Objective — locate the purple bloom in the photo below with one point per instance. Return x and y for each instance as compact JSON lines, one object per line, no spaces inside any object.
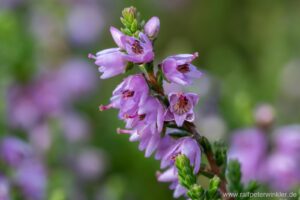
{"x":31,"y":178}
{"x":181,"y":107}
{"x":287,"y":140}
{"x":249,"y":147}
{"x":283,"y":172}
{"x":152,"y":27}
{"x":14,"y":151}
{"x":4,"y":188}
{"x":178,"y":68}
{"x":187,"y":146}
{"x":138,"y":50}
{"x":111,"y":62}
{"x":147,"y":124}
{"x":129,"y":95}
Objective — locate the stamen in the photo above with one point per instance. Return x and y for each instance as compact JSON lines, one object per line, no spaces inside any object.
{"x":91,"y":56}
{"x":183,"y":68}
{"x":157,"y":174}
{"x":124,"y":131}
{"x":126,"y":116}
{"x":127,"y":94}
{"x":195,"y":55}
{"x":173,"y":157}
{"x":137,"y":48}
{"x":142,"y":117}
{"x":105,"y":107}
{"x":182,"y":106}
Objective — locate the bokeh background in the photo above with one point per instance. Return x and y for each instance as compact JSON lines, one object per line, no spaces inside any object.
{"x":50,"y":91}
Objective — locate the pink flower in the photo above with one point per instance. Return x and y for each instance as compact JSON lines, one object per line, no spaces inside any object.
{"x":152,"y":27}
{"x":187,"y":146}
{"x":249,"y":147}
{"x":178,"y":68}
{"x":129,"y":95}
{"x":111,"y":62}
{"x":146,"y":125}
{"x":138,"y":50}
{"x":181,"y":107}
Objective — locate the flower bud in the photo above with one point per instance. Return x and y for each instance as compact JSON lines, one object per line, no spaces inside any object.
{"x":264,"y":116}
{"x":129,"y":13}
{"x":152,"y":27}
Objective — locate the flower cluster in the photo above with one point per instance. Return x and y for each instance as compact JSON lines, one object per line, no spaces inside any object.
{"x":274,"y":163}
{"x":280,"y":167}
{"x":148,"y":112}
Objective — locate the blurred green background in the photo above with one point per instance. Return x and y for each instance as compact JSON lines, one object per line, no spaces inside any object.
{"x":249,"y":49}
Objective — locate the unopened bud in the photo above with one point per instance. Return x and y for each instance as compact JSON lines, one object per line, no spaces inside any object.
{"x":152,"y":27}
{"x":264,"y":116}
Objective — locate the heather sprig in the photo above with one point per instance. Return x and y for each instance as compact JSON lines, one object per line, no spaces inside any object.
{"x":131,"y":23}
{"x":189,"y":181}
{"x":162,"y":123}
{"x":185,"y":172}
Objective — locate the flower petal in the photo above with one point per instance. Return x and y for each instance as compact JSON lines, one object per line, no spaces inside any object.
{"x":117,"y":35}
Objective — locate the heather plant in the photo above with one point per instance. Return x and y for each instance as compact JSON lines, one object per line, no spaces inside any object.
{"x":163,"y":123}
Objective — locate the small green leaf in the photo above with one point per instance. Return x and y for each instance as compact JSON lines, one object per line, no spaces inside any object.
{"x":179,"y":134}
{"x":220,"y":153}
{"x":214,"y":182}
{"x":125,"y":22}
{"x":126,"y":31}
{"x":149,"y":67}
{"x":134,"y":26}
{"x":234,"y":176}
{"x":213,"y":187}
{"x":252,"y":186}
{"x":129,"y":66}
{"x":205,"y":144}
{"x":196,"y":192}
{"x":185,"y":171}
{"x":143,"y":69}
{"x":129,"y":13}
